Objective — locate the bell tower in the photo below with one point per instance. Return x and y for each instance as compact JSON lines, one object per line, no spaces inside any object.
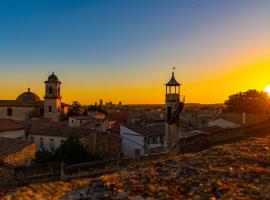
{"x":173,"y":108}
{"x":52,"y":99}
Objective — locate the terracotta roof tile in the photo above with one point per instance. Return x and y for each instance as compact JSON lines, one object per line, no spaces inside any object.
{"x":11,"y":146}
{"x":9,"y":125}
{"x":147,"y":130}
{"x":43,"y":126}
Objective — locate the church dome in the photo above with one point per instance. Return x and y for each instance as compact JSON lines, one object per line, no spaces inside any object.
{"x":28,"y":97}
{"x":53,"y":78}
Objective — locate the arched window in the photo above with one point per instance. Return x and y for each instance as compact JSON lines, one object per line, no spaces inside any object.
{"x":50,"y":90}
{"x":9,"y":112}
{"x":59,"y":91}
{"x":50,"y":109}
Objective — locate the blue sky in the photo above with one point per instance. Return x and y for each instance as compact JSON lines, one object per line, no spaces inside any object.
{"x":107,"y":45}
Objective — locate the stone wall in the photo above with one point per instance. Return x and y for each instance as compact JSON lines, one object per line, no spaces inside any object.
{"x":204,"y":141}
{"x":107,"y":145}
{"x":6,"y":175}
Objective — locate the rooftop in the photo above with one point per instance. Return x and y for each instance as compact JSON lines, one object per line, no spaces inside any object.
{"x":173,"y":82}
{"x":11,"y":146}
{"x":10,"y":125}
{"x":28,"y":97}
{"x":148,"y":129}
{"x":43,"y":126}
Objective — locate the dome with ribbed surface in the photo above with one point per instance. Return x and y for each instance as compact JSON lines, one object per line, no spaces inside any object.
{"x":28,"y":97}
{"x":53,"y":78}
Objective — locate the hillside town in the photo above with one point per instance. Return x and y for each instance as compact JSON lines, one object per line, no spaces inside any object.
{"x":32,"y":129}
{"x":134,"y":100}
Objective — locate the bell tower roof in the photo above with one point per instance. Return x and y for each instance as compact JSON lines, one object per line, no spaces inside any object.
{"x":53,"y":79}
{"x":172,"y":82}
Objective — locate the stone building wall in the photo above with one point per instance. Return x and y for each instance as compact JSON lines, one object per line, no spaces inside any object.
{"x":18,"y":113}
{"x":13,"y":134}
{"x":6,"y":175}
{"x":105,"y":144}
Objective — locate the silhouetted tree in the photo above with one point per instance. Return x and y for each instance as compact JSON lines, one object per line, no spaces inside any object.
{"x":75,"y":109}
{"x":71,"y":151}
{"x":251,"y":101}
{"x":43,"y":156}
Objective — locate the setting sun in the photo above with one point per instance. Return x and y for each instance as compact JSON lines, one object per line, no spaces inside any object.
{"x":267,"y":89}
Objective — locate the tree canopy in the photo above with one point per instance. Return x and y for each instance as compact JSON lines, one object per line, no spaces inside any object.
{"x":251,"y":101}
{"x":71,"y":151}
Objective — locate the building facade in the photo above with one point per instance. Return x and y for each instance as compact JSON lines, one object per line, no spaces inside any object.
{"x":29,"y":105}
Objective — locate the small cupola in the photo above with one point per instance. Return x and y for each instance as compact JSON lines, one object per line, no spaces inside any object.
{"x":172,"y":82}
{"x":53,"y":78}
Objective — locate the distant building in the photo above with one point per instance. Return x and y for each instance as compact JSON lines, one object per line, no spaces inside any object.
{"x":29,"y":105}
{"x":11,"y":129}
{"x":141,"y":140}
{"x":75,"y":121}
{"x":225,"y":124}
{"x":49,"y":135}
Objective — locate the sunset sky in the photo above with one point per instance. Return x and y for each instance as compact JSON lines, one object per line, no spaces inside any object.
{"x":125,"y":50}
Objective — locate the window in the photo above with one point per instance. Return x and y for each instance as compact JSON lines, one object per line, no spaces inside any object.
{"x":50,"y":109}
{"x":158,"y":139}
{"x":137,"y":152}
{"x":50,"y":90}
{"x":58,"y":109}
{"x":51,"y":145}
{"x":162,"y":140}
{"x":32,"y":139}
{"x":58,"y":91}
{"x":41,"y":143}
{"x":154,"y":140}
{"x":9,"y":112}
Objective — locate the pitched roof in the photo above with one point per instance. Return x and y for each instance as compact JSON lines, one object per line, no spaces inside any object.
{"x":173,"y":82}
{"x":10,"y":146}
{"x":119,"y":116}
{"x":43,"y":126}
{"x":147,"y":130}
{"x":81,"y":117}
{"x":91,"y":125}
{"x":9,"y":125}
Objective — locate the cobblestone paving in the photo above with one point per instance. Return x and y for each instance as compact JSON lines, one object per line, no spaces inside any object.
{"x":233,"y":171}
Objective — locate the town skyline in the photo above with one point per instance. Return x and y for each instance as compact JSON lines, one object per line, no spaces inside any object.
{"x":125,"y":51}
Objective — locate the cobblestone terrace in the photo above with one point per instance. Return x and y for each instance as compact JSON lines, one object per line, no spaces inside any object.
{"x":237,"y":171}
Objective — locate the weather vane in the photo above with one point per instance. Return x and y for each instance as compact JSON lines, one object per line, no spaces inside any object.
{"x":174,"y":68}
